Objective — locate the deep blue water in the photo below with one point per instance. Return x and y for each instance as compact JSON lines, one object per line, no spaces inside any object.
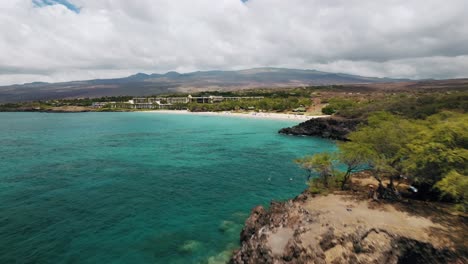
{"x":138,"y":187}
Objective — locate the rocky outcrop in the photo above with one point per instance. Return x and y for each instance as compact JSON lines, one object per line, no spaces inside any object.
{"x":335,"y":229}
{"x":332,"y":128}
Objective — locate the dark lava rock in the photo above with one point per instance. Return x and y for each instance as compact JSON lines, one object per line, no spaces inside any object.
{"x":332,"y":128}
{"x":253,"y":223}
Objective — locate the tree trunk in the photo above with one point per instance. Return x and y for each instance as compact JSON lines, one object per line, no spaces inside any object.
{"x":389,"y":192}
{"x":325,"y":179}
{"x":345,"y":179}
{"x":390,"y":184}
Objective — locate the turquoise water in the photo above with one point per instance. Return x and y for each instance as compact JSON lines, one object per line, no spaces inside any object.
{"x":138,"y":187}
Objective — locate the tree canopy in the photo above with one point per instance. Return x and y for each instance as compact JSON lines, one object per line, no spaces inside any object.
{"x":431,"y":153}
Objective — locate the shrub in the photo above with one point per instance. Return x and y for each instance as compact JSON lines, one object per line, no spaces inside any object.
{"x":455,"y":186}
{"x":328,"y":110}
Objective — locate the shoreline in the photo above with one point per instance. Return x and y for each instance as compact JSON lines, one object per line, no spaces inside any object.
{"x":255,"y":115}
{"x":354,"y":227}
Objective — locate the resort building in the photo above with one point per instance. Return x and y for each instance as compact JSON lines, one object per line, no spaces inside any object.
{"x":217,"y":99}
{"x":101,"y":104}
{"x":177,"y":100}
{"x":167,"y":102}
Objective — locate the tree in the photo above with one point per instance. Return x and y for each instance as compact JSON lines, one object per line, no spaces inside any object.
{"x":328,"y":110}
{"x":355,"y":157}
{"x":382,"y":143}
{"x":320,"y":164}
{"x":432,"y":153}
{"x":384,"y":138}
{"x":440,"y":147}
{"x":455,"y":186}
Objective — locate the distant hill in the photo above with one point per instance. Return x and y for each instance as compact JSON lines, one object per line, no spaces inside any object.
{"x":142,"y":84}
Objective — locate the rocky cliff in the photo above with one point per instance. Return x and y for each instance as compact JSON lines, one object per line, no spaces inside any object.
{"x":340,"y":229}
{"x":332,"y":128}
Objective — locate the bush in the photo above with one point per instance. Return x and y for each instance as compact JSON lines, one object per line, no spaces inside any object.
{"x":339,"y":105}
{"x":455,"y":186}
{"x":328,"y":110}
{"x":316,"y":186}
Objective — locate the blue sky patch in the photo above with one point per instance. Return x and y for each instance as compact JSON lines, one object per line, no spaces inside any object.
{"x":66,"y":3}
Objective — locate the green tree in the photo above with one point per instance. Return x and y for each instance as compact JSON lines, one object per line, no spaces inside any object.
{"x":422,"y":150}
{"x":321,"y":164}
{"x":355,"y":157}
{"x":381,"y":143}
{"x":384,"y":139}
{"x":328,"y":110}
{"x":455,"y":186}
{"x":440,"y":147}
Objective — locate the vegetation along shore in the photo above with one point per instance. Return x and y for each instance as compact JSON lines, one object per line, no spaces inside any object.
{"x":395,"y":192}
{"x":147,"y":131}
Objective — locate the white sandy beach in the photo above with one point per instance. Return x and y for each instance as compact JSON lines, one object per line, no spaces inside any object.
{"x":256,"y":115}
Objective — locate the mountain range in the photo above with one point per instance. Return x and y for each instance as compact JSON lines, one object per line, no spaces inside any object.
{"x":142,"y":84}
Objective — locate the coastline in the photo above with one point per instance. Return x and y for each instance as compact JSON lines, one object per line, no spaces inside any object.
{"x":276,"y":116}
{"x":352,"y":229}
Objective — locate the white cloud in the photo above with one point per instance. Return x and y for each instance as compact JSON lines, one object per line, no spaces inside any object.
{"x":113,"y":38}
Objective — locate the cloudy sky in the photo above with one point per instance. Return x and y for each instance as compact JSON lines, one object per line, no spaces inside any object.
{"x":60,"y":40}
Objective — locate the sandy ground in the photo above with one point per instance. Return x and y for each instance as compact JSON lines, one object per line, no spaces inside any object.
{"x":255,"y":115}
{"x":345,"y":215}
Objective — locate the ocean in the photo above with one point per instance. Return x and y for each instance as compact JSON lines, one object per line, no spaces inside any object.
{"x":139,"y":187}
